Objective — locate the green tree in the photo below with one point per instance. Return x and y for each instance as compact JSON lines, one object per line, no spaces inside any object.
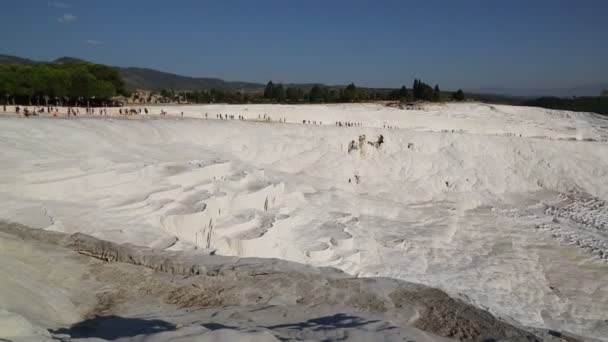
{"x":43,"y":82}
{"x":278,"y":93}
{"x":110,"y":75}
{"x":294,"y":94}
{"x":269,"y":90}
{"x":315,"y":94}
{"x":458,"y":95}
{"x":103,"y":90}
{"x":24,"y":83}
{"x":166,"y":94}
{"x":8,"y":82}
{"x":436,"y":94}
{"x":403,"y":93}
{"x":330,"y":95}
{"x":350,"y":93}
{"x":83,"y":84}
{"x":59,"y":84}
{"x":422,"y":91}
{"x":400,"y":94}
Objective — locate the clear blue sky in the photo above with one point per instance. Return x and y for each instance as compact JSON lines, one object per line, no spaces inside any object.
{"x":472,"y":44}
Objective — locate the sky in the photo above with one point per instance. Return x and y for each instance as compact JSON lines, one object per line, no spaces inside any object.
{"x":514,"y":45}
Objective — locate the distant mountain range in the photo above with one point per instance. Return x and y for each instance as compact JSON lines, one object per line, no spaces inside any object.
{"x":593,"y":89}
{"x":150,"y":79}
{"x":6,"y":59}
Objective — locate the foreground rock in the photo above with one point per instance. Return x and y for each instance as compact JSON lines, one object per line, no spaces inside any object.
{"x":78,"y":287}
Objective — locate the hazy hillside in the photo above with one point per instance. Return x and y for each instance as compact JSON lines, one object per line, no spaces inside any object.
{"x":6,"y":59}
{"x":590,"y":89}
{"x":150,"y":79}
{"x":142,"y":78}
{"x":65,"y":60}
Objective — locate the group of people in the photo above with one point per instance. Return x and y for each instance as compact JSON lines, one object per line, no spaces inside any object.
{"x":348,"y":124}
{"x":134,"y":111}
{"x":35,"y":111}
{"x":72,"y":111}
{"x":261,"y":117}
{"x":389,"y":126}
{"x":268,"y":118}
{"x":101,"y":111}
{"x":75,"y":111}
{"x":227,"y":117}
{"x":313,"y":122}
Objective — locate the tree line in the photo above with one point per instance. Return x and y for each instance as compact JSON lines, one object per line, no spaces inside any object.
{"x":83,"y":83}
{"x":351,"y":93}
{"x":593,"y":104}
{"x":46,"y":84}
{"x":279,"y":93}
